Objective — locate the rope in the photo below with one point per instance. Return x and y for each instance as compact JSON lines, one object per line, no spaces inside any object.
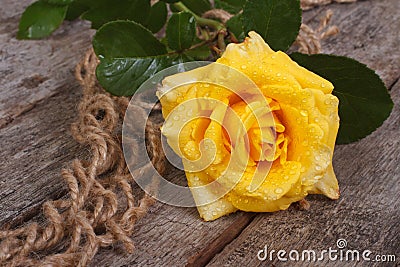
{"x":100,"y":209}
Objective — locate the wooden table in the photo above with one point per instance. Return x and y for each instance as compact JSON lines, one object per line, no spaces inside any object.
{"x":38,"y":103}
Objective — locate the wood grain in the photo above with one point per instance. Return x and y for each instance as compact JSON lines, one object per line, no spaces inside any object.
{"x":169,"y":236}
{"x":34,"y":148}
{"x":38,"y":104}
{"x":366,"y":215}
{"x":31,"y":71}
{"x":369,"y":33}
{"x":38,"y":100}
{"x":202,"y":257}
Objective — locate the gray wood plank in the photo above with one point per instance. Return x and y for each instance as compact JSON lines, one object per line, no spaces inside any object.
{"x":38,"y":105}
{"x":172,"y":250}
{"x":369,"y":33}
{"x":367,"y":214}
{"x":34,"y":148}
{"x":30,"y":71}
{"x":38,"y":100}
{"x":169,"y":235}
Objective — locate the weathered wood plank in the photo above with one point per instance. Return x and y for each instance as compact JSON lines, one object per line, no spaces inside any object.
{"x":168,"y":235}
{"x":34,"y":148}
{"x":228,"y":235}
{"x":172,"y":250}
{"x":31,"y":71}
{"x":367,"y":214}
{"x":369,"y":32}
{"x":36,"y":145}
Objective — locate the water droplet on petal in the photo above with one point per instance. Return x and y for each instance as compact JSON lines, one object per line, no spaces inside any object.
{"x":303,"y":113}
{"x":168,"y":124}
{"x":278,"y":190}
{"x":317,"y":177}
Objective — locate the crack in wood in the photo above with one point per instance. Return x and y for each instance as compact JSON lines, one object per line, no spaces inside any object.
{"x":203,"y":257}
{"x":393,"y":84}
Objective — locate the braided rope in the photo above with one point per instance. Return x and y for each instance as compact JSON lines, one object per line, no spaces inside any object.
{"x":95,"y":203}
{"x":100,"y":209}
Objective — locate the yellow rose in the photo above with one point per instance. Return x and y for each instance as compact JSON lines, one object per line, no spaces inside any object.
{"x":226,"y":142}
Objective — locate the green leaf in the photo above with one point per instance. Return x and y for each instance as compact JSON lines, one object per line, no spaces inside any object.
{"x":235,"y":26}
{"x":277,"y":21}
{"x":135,"y":10}
{"x":174,"y":9}
{"x":93,"y":3}
{"x":75,"y":10}
{"x":123,"y":76}
{"x":58,"y":2}
{"x":232,"y":6}
{"x":170,"y":1}
{"x":364,"y":102}
{"x":40,"y":19}
{"x":197,"y":6}
{"x":181,"y":31}
{"x":199,"y":53}
{"x":126,"y":39}
{"x":157,"y":17}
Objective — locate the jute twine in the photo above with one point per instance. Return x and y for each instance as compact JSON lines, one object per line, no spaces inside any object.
{"x":307,"y":4}
{"x":309,"y":40}
{"x":101,"y":209}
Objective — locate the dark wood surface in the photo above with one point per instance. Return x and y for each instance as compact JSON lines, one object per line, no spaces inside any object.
{"x":38,"y":101}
